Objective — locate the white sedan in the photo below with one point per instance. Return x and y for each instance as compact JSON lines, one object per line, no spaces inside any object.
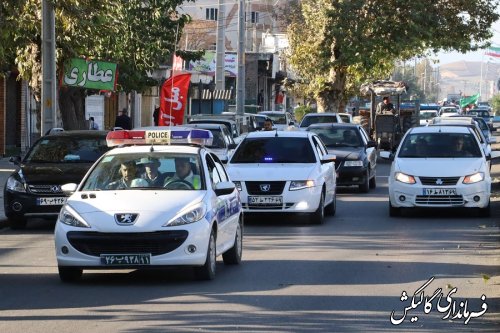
{"x":285,"y":172}
{"x":439,"y":166}
{"x":145,"y":205}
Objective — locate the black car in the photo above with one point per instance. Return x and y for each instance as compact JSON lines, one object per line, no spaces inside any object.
{"x":34,"y":189}
{"x":356,"y":154}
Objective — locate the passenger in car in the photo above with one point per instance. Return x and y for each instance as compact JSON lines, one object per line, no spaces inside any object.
{"x":151,"y":174}
{"x":128,"y":171}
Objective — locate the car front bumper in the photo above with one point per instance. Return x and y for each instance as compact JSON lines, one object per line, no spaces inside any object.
{"x":351,"y":176}
{"x":18,"y":204}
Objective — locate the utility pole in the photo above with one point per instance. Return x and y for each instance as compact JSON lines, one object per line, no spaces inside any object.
{"x":220,"y":48}
{"x":49,"y":82}
{"x":240,"y":89}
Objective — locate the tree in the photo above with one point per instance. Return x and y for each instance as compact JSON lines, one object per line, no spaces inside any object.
{"x":336,"y":44}
{"x":495,"y":104}
{"x":138,"y":35}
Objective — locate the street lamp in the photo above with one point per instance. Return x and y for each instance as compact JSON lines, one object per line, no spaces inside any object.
{"x":211,"y":87}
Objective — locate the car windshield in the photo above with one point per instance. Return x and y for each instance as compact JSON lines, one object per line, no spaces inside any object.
{"x":450,"y":110}
{"x":427,"y":115}
{"x":317,"y":120}
{"x":440,"y":145}
{"x":156,"y":170}
{"x":65,"y":149}
{"x":338,"y":137}
{"x":274,"y":150}
{"x":276,"y":118}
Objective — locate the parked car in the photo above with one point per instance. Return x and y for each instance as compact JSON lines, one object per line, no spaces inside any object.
{"x":34,"y":189}
{"x":439,"y":166}
{"x":356,"y":154}
{"x":223,"y":144}
{"x":318,"y":118}
{"x":286,"y":172}
{"x":281,"y":119}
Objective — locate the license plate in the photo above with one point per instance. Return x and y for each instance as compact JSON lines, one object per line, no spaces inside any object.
{"x":50,"y":201}
{"x":265,"y":200}
{"x":440,"y":191}
{"x":125,"y":259}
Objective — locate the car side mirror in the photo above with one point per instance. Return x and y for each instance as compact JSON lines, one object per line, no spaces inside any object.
{"x":224,"y":188}
{"x":69,"y":189}
{"x":371,"y":144}
{"x":328,"y":158}
{"x":232,"y":146}
{"x":386,"y":155}
{"x":15,"y":159}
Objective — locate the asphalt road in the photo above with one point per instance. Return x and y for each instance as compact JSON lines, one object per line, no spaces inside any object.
{"x":347,"y":275}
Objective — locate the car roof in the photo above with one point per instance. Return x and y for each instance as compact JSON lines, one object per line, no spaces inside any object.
{"x":272,"y":112}
{"x":78,"y":133}
{"x":273,"y":133}
{"x":340,"y":125}
{"x":313,"y":114}
{"x":211,"y":120}
{"x":205,"y":126}
{"x":448,"y":128}
{"x":454,"y":120}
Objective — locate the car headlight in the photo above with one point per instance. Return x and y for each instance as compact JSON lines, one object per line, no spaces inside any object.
{"x":471,"y":179}
{"x":68,"y":216}
{"x":353,"y":163}
{"x":300,"y":184}
{"x":193,"y":214}
{"x":15,"y":185}
{"x":238,"y":185}
{"x":404,"y":178}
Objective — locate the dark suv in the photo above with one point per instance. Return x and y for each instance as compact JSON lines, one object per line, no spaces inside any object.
{"x":34,"y":189}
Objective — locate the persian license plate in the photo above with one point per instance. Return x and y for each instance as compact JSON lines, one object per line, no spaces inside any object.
{"x":440,"y":191}
{"x":256,"y":200}
{"x":50,"y":201}
{"x":126,"y":259}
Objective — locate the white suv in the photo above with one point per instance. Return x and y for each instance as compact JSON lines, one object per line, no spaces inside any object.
{"x":285,"y":172}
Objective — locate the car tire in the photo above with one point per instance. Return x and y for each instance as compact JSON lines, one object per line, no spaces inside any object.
{"x":233,"y":255}
{"x":69,"y":274}
{"x":365,"y":187}
{"x":17,"y":223}
{"x":318,"y":217}
{"x":332,"y":207}
{"x":394,"y":211}
{"x":207,"y":271}
{"x":485,"y":212}
{"x":373,"y":181}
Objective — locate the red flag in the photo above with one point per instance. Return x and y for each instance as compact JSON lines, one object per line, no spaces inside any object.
{"x":173,"y":99}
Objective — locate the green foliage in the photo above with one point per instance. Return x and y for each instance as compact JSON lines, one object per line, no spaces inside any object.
{"x":301,"y":111}
{"x":495,"y":104}
{"x":190,"y":55}
{"x":336,"y":45}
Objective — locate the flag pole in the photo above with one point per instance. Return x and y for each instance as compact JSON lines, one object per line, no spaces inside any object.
{"x":172,"y":75}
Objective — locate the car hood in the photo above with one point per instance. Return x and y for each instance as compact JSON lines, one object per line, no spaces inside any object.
{"x":350,"y":153}
{"x":270,"y":171}
{"x":55,"y":173}
{"x":440,"y":167}
{"x":157,"y":207}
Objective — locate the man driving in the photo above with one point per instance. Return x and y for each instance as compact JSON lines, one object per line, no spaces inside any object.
{"x":385,"y":106}
{"x":184,"y":178}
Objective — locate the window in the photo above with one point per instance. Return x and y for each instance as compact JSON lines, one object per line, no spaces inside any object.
{"x":211,"y":14}
{"x":275,"y":150}
{"x":254,"y":17}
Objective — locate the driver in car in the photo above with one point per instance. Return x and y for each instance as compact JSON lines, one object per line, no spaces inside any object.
{"x":183,"y":175}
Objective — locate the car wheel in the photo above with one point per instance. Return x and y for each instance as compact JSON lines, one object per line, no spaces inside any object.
{"x":485,"y":212}
{"x":17,"y":223}
{"x":394,"y":211}
{"x":365,"y":187}
{"x":233,"y":255}
{"x":373,"y":181}
{"x":207,"y":271}
{"x":318,"y":216}
{"x":69,"y":274}
{"x":332,"y":207}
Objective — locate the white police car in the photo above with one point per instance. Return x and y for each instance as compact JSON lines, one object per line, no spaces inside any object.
{"x":285,"y":172}
{"x":151,"y":202}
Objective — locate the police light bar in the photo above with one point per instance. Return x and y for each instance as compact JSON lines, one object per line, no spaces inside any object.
{"x":160,"y":137}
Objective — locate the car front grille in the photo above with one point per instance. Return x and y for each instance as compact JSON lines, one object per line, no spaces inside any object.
{"x":45,"y":189}
{"x":286,"y":205}
{"x":445,"y":200}
{"x":97,"y":243}
{"x":439,"y":181}
{"x":259,"y":188}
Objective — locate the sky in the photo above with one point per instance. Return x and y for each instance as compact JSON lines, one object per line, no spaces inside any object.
{"x":445,"y":58}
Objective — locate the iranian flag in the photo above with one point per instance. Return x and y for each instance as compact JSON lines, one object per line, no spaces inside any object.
{"x":493,"y":52}
{"x":173,"y":100}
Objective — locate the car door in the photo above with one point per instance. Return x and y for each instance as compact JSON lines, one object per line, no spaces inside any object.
{"x":226,"y":206}
{"x":327,"y":169}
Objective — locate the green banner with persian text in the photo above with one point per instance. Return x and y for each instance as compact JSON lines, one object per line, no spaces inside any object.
{"x":90,"y":74}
